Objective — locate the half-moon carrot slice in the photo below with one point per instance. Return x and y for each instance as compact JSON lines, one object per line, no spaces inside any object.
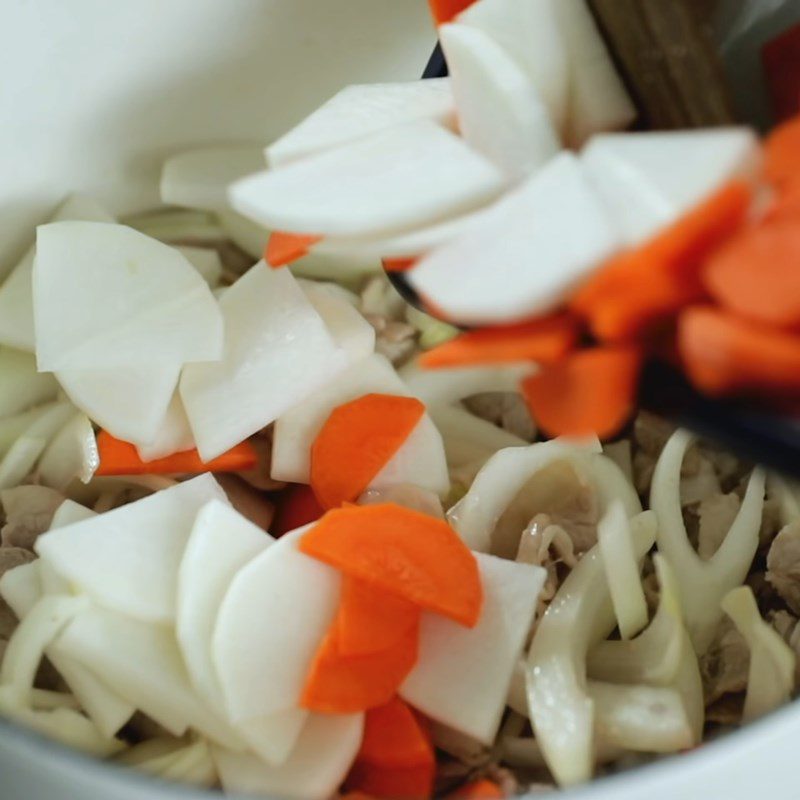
{"x":357,"y":441}
{"x":591,"y":392}
{"x":403,"y":552}
{"x":283,"y":248}
{"x":445,"y":10}
{"x":394,"y":736}
{"x":121,"y":458}
{"x":542,"y":340}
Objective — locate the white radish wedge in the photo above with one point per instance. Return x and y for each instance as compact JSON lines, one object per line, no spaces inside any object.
{"x":222,"y":541}
{"x":23,"y":386}
{"x":71,"y":454}
{"x":408,"y":175}
{"x":270,"y":624}
{"x":141,"y":663}
{"x":500,"y":111}
{"x":70,"y":512}
{"x":174,"y":434}
{"x":106,"y":296}
{"x":528,"y":31}
{"x":278,"y":351}
{"x":462,"y":675}
{"x":349,"y":328}
{"x":206,"y":261}
{"x":317,"y":766}
{"x":200,"y":178}
{"x":127,"y":559}
{"x":598,"y":100}
{"x":357,"y":111}
{"x":16,"y":294}
{"x":129,"y":403}
{"x":273,"y":737}
{"x":526,"y":254}
{"x":648,"y":180}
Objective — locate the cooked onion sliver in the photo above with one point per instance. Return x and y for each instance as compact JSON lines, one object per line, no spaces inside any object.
{"x":357,"y":111}
{"x":580,"y":615}
{"x":21,"y":588}
{"x":71,"y":454}
{"x":23,"y":386}
{"x":703,"y":584}
{"x":500,"y":111}
{"x":68,"y":512}
{"x":206,"y":261}
{"x":770,"y":681}
{"x":644,"y":719}
{"x":11,"y":428}
{"x":622,"y":570}
{"x":393,"y":180}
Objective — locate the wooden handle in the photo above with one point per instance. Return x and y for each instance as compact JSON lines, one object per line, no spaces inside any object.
{"x":666,"y":55}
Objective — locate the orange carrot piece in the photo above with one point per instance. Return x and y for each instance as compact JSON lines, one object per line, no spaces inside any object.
{"x":542,"y":340}
{"x":297,"y":506}
{"x":394,"y":737}
{"x":757,"y":274}
{"x":357,"y":441}
{"x":482,"y":789}
{"x":346,"y":684}
{"x":591,"y":392}
{"x":283,"y":248}
{"x":637,"y":292}
{"x":393,"y":783}
{"x":445,"y":10}
{"x":403,"y":552}
{"x":786,"y":204}
{"x":782,"y":153}
{"x":726,"y":355}
{"x":370,"y":620}
{"x":121,"y":458}
{"x":398,"y":264}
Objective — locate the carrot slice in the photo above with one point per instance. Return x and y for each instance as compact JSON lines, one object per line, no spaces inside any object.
{"x":781,"y":58}
{"x":756,"y":274}
{"x":121,"y":458}
{"x":398,"y":264}
{"x":543,"y":340}
{"x":357,"y":441}
{"x":393,"y":783}
{"x":482,"y":789}
{"x":402,"y":552}
{"x":444,"y":10}
{"x":370,"y":620}
{"x":786,"y":204}
{"x":724,"y":354}
{"x":297,"y":507}
{"x":346,"y":684}
{"x":283,"y":248}
{"x":394,"y":737}
{"x":782,"y":153}
{"x":591,"y":392}
{"x":637,"y":292}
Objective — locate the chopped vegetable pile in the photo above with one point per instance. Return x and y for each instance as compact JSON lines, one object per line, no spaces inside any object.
{"x":265,"y":527}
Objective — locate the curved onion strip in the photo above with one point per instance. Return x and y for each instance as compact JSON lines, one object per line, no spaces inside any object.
{"x":641,"y":718}
{"x":501,"y":478}
{"x":622,"y":570}
{"x":703,"y":584}
{"x":580,"y":615}
{"x":770,"y":680}
{"x":71,"y":454}
{"x":612,"y":484}
{"x":27,"y":644}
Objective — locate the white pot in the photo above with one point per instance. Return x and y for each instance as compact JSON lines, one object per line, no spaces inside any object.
{"x":94,"y":94}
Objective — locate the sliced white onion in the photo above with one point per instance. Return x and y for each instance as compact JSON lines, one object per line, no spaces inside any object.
{"x":21,"y":588}
{"x":357,"y":111}
{"x":703,"y":584}
{"x":486,"y":275}
{"x":23,"y":386}
{"x":11,"y":428}
{"x":580,"y":615}
{"x":500,"y":111}
{"x":462,"y":674}
{"x":71,"y":454}
{"x":16,"y":294}
{"x":770,"y":681}
{"x":278,"y":352}
{"x":262,"y":659}
{"x":598,"y":100}
{"x":316,"y":768}
{"x":108,"y":297}
{"x":392,"y":180}
{"x":648,"y":180}
{"x":127,"y":559}
{"x":199,"y":178}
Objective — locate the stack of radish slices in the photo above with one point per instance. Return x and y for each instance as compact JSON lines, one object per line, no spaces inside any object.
{"x":265,"y":660}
